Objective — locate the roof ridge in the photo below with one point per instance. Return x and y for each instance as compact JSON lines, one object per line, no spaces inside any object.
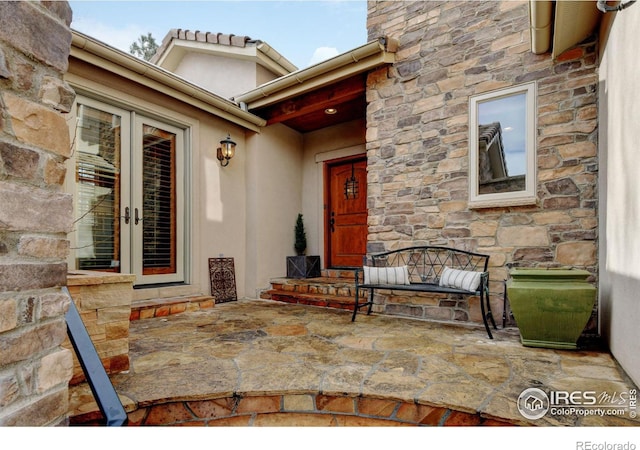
{"x":201,"y":36}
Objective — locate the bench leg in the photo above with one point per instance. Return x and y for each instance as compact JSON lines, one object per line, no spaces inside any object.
{"x":355,"y":307}
{"x":485,"y":314}
{"x":505,"y":302}
{"x":489,"y":312}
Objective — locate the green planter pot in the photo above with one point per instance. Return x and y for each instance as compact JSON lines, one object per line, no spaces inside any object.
{"x":551,"y":306}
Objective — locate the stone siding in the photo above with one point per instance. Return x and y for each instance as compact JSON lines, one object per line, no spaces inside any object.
{"x":104,"y":303}
{"x":417,"y":144}
{"x":35,"y":213}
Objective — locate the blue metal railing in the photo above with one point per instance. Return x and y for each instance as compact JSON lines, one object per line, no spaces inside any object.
{"x":99,"y":382}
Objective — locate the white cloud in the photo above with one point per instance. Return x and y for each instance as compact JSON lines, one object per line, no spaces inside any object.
{"x":323,"y":53}
{"x":120,"y":38}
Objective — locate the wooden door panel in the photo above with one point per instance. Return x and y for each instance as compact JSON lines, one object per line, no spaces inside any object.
{"x":348,"y":244}
{"x":348,"y":216}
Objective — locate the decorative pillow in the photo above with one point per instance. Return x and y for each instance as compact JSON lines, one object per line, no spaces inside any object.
{"x":460,"y":279}
{"x":386,"y":275}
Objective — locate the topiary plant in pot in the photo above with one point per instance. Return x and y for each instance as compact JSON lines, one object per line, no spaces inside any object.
{"x":302,"y":266}
{"x":301,"y":237}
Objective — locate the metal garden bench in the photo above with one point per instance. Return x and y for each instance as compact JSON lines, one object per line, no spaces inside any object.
{"x":426,"y":269}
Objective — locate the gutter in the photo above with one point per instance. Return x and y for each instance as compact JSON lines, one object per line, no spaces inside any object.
{"x":274,"y":59}
{"x":91,"y":50}
{"x":541,"y":25}
{"x":365,"y":56}
{"x":557,"y":26}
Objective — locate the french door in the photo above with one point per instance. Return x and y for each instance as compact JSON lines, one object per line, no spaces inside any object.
{"x":129,"y":194}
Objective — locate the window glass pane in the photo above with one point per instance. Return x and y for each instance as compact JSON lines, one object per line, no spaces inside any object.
{"x":159,"y":201}
{"x":98,"y":142}
{"x":502,"y":144}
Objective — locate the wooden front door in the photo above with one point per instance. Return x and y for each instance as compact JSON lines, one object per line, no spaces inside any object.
{"x":346,"y":215}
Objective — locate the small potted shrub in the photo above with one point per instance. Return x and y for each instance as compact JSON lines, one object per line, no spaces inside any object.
{"x":301,"y":265}
{"x":301,"y":237}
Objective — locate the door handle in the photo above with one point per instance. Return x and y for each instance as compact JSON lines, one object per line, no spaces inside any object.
{"x":127,"y":215}
{"x":332,"y":221}
{"x":137,"y":218}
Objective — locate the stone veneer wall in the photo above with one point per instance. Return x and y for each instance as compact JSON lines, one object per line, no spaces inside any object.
{"x":104,"y":304}
{"x":417,"y":144}
{"x":35,"y":213}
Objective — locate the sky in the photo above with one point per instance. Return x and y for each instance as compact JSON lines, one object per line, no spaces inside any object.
{"x":303,"y":31}
{"x":511,"y":112}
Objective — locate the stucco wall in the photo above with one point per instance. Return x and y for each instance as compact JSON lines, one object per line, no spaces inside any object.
{"x":284,"y":178}
{"x":223,"y":76}
{"x":248,"y":209}
{"x":217,"y":195}
{"x":274,"y":199}
{"x":619,"y":109}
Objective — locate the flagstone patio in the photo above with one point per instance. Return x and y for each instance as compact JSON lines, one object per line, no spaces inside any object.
{"x":265,"y":363}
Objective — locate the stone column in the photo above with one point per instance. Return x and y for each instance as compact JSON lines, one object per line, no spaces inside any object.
{"x":35,"y":213}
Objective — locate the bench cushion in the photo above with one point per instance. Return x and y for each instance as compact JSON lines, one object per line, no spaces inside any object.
{"x":461,"y":279}
{"x":386,"y":275}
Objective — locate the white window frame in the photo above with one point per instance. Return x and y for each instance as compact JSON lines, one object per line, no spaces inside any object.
{"x":527,"y":196}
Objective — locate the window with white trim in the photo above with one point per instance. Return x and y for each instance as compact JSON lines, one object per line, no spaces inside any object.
{"x":502,"y":150}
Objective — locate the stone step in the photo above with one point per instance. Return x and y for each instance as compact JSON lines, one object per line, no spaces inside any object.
{"x":322,"y":300}
{"x":326,"y":286}
{"x":162,"y":307}
{"x":348,"y":274}
{"x":334,"y":289}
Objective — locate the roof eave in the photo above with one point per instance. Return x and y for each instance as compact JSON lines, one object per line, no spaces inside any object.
{"x":135,"y":69}
{"x":273,"y":60}
{"x":261,"y":53}
{"x":366,"y":57}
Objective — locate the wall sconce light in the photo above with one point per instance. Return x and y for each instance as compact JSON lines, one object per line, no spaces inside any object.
{"x":226,"y":151}
{"x":351,"y":186}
